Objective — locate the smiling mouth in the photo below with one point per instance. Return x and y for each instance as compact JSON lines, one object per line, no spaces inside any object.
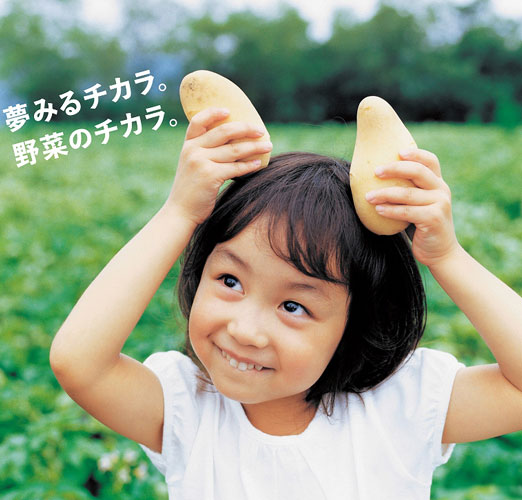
{"x":242,"y":366}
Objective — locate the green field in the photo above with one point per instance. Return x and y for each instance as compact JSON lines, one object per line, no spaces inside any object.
{"x":62,"y":220}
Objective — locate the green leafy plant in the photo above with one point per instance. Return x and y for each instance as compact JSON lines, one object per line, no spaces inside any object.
{"x":62,"y":220}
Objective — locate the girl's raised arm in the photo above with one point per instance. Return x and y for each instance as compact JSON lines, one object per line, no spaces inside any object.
{"x":486,"y":400}
{"x":86,"y":351}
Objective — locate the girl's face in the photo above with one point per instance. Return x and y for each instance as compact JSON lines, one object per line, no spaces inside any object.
{"x":261,"y":311}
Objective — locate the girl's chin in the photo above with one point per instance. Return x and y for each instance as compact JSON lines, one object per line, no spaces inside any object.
{"x":241,"y":394}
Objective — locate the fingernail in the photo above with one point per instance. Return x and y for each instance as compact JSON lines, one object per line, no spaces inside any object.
{"x":379,"y":170}
{"x":256,"y":163}
{"x":260,"y":131}
{"x":379,"y":208}
{"x":405,"y":152}
{"x":370,"y":195}
{"x":224,"y":111}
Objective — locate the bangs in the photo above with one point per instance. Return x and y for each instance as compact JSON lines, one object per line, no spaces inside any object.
{"x":307,"y":213}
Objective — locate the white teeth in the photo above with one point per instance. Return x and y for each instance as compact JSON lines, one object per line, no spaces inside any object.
{"x":241,"y":365}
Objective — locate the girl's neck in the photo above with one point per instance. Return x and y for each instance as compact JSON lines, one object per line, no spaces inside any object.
{"x":280,"y":417}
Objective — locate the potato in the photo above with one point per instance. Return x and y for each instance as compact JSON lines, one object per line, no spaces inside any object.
{"x":380,"y":136}
{"x":204,"y":89}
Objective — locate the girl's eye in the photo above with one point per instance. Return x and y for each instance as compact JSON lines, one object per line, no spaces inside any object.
{"x":228,"y":280}
{"x":293,"y":308}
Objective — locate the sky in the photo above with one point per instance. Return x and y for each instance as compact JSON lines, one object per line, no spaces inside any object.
{"x":104,"y":13}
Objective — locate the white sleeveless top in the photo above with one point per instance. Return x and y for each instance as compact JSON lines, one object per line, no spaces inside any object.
{"x":387,"y":449}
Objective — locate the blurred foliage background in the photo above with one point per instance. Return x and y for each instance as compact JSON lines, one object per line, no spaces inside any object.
{"x":443,"y":62}
{"x":62,"y":220}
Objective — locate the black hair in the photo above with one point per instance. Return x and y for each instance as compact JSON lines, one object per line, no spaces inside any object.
{"x":308,"y":196}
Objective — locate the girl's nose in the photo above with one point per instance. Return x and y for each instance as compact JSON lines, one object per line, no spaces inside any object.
{"x":248,"y":329}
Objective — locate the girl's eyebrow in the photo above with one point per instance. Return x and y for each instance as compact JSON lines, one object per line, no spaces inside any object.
{"x":289,"y":285}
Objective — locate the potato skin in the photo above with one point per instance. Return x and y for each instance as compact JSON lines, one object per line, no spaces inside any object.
{"x":380,"y":136}
{"x":204,"y":89}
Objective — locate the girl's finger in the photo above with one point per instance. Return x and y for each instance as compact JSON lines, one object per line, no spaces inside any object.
{"x":238,"y":150}
{"x":421,"y":175}
{"x":424,"y":215}
{"x":229,"y":131}
{"x":425,"y":157}
{"x":402,"y":196}
{"x":202,"y":121}
{"x":238,"y":168}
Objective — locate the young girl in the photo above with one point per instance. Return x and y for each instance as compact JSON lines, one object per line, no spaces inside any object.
{"x":303,"y":378}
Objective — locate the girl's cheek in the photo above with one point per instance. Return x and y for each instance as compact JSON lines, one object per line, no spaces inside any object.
{"x":206,"y":312}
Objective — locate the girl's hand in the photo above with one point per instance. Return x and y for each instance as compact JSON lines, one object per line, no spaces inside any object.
{"x":207,"y":160}
{"x":427,"y":205}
